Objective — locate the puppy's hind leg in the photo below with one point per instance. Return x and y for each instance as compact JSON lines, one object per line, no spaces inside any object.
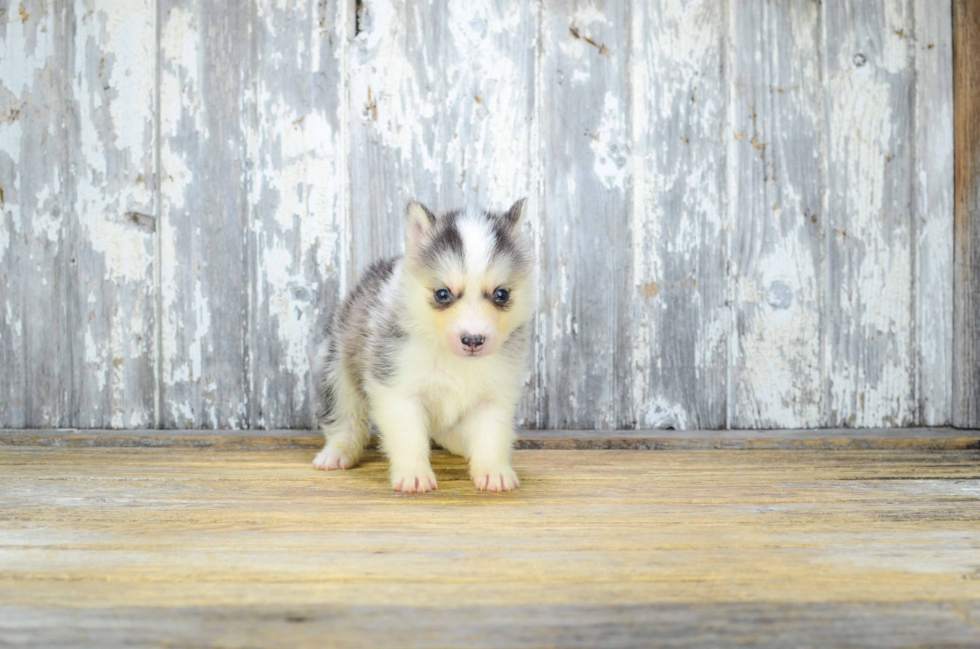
{"x":342,"y":416}
{"x":346,"y":430}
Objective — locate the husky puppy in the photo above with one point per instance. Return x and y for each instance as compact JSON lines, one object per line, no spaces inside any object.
{"x":432,"y":345}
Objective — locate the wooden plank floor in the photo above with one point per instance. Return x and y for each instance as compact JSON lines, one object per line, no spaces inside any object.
{"x":249,"y":546}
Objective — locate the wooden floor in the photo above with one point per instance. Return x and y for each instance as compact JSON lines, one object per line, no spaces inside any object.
{"x":249,"y":546}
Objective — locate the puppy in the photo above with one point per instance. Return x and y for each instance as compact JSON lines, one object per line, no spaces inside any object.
{"x":431,"y":346}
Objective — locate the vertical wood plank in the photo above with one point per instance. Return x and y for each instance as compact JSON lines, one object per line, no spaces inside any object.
{"x":933,"y":190}
{"x":869,"y":229}
{"x":442,"y":100}
{"x":35,"y":258}
{"x":113,"y":324}
{"x":966,"y":91}
{"x":679,"y":286}
{"x":204,"y":211}
{"x":777,"y":149}
{"x":298,"y":226}
{"x":441,"y":103}
{"x":585,"y":308}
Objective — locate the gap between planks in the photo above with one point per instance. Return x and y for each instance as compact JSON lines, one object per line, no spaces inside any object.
{"x":831,"y":439}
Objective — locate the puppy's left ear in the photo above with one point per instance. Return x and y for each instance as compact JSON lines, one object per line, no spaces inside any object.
{"x":515,"y":215}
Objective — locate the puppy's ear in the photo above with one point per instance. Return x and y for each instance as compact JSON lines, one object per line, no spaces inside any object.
{"x":515,"y":215}
{"x":419,"y":223}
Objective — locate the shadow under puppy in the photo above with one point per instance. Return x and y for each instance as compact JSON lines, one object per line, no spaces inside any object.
{"x":432,"y":345}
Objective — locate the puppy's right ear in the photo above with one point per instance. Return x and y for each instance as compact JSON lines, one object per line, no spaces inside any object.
{"x":419,"y":223}
{"x":515,"y":215}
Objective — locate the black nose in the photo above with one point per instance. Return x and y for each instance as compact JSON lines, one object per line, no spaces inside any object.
{"x":472,"y":342}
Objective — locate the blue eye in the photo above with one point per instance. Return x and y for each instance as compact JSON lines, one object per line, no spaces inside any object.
{"x":443,"y":296}
{"x":501,"y":295}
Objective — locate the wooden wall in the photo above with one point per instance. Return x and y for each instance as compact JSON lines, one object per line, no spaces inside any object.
{"x":966,"y":307}
{"x":742,"y":210}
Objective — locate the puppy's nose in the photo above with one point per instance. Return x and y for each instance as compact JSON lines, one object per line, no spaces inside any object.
{"x":472,"y":343}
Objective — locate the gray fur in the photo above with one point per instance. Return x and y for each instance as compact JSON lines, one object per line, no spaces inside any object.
{"x":354,"y":341}
{"x":515,"y":343}
{"x":444,"y":241}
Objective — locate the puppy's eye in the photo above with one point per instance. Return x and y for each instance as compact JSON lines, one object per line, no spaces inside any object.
{"x":501,"y":295}
{"x":443,"y":296}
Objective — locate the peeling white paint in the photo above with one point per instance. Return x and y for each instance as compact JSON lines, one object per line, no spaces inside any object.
{"x":292,"y":319}
{"x":661,"y":414}
{"x":897,"y":33}
{"x":180,"y":51}
{"x":4,"y":237}
{"x":449,"y":118}
{"x":94,"y":359}
{"x":875,"y":386}
{"x":28,"y":49}
{"x":168,"y":293}
{"x":46,"y":222}
{"x":112,"y":95}
{"x":677,"y":219}
{"x":933,"y":192}
{"x":462,"y":116}
{"x":867,"y":354}
{"x":181,"y":364}
{"x":182,"y":412}
{"x":776,"y":369}
{"x":11,"y":136}
{"x":610,"y":145}
{"x":588,"y":14}
{"x":202,"y":327}
{"x":127,"y":250}
{"x":299,"y":225}
{"x":115,"y":59}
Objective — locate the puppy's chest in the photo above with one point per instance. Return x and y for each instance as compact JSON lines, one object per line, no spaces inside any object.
{"x":448,"y":395}
{"x":449,"y":388}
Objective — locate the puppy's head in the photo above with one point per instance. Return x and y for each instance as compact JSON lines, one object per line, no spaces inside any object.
{"x":468,"y":276}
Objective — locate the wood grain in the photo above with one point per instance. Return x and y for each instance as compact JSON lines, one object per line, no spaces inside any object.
{"x":768,"y":625}
{"x":742,"y":214}
{"x":966,"y":90}
{"x":255,"y":545}
{"x":441,"y":101}
{"x":297,"y":183}
{"x":869,"y":230}
{"x":584,"y":354}
{"x":679,"y":288}
{"x":776,"y":151}
{"x":112,"y":126}
{"x":35,"y":222}
{"x":204,"y":269}
{"x":933,"y":204}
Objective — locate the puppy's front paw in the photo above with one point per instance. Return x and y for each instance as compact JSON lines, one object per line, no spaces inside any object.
{"x":419,"y":480}
{"x":498,"y":479}
{"x":330,"y":459}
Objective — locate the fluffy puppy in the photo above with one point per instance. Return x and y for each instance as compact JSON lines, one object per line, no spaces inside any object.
{"x":431,"y":346}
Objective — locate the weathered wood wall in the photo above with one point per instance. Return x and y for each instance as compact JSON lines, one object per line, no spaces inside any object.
{"x":743,"y":210}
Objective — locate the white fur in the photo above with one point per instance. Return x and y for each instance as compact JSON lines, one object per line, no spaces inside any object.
{"x":477,"y":241}
{"x":447,"y":398}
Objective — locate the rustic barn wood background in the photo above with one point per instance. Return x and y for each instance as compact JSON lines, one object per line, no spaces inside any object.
{"x":743,"y":210}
